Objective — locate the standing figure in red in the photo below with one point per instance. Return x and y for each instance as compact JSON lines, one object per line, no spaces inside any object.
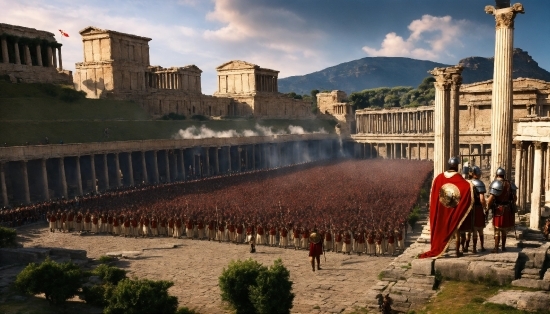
{"x":315,"y":249}
{"x":501,"y":201}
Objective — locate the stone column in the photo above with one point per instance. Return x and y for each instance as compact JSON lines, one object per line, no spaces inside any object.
{"x":92,"y":169}
{"x":441,"y":119}
{"x":130,"y":170}
{"x":17,"y":56}
{"x":155,"y":167}
{"x":3,"y":186}
{"x":534,"y":220}
{"x":5,"y":55}
{"x":59,"y":59}
{"x":63,"y":178}
{"x":253,"y":156}
{"x":501,"y":105}
{"x":239,"y":159}
{"x":49,"y":62}
{"x":207,"y":157}
{"x":167,"y":161}
{"x":182,"y":163}
{"x":25,"y":178}
{"x":45,"y":188}
{"x":28,"y":60}
{"x":519,"y":170}
{"x":78,"y":177}
{"x":117,"y":170}
{"x":54,"y":57}
{"x":39,"y":55}
{"x":217,"y":160}
{"x":106,"y":172}
{"x":246,"y":158}
{"x":144,"y":168}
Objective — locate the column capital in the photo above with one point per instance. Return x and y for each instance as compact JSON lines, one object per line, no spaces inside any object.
{"x":538,"y":145}
{"x":505,"y":17}
{"x":445,"y":77}
{"x":518,"y":144}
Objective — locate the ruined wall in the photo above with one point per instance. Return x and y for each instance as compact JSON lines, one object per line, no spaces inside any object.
{"x":29,"y":55}
{"x":326,"y":101}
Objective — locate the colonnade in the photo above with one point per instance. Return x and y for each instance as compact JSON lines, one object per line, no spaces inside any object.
{"x":395,"y":122}
{"x":28,"y":52}
{"x":266,"y":83}
{"x":35,"y":180}
{"x":532,"y":177}
{"x":173,"y":80}
{"x":385,"y":150}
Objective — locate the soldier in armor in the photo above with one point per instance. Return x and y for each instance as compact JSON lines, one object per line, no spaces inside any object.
{"x":501,"y":201}
{"x":467,"y":226}
{"x":315,"y":249}
{"x":480,"y":206}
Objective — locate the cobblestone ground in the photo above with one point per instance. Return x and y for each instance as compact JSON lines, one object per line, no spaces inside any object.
{"x":194,"y":267}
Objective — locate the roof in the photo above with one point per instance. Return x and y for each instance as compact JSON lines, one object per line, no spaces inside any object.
{"x":91,"y":30}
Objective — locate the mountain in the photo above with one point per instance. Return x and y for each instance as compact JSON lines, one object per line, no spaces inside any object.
{"x":372,"y":72}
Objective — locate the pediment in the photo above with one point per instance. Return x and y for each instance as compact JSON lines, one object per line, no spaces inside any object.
{"x":237,"y":65}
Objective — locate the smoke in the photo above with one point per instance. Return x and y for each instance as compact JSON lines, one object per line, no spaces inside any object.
{"x":193,"y":132}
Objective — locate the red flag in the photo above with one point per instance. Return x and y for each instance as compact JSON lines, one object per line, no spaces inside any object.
{"x":451,"y":199}
{"x":63,"y":33}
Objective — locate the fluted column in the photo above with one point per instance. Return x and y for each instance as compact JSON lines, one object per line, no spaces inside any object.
{"x":25,"y":179}
{"x":92,"y":170}
{"x":144,"y":168}
{"x":441,"y":119}
{"x":130,"y":170}
{"x":63,"y":178}
{"x":78,"y":177}
{"x":117,"y":170}
{"x":5,"y":55}
{"x":534,"y":219}
{"x":501,"y":105}
{"x":456,"y":81}
{"x":519,"y":170}
{"x":3,"y":186}
{"x":45,"y":187}
{"x":39,"y":55}
{"x":16,"y":51}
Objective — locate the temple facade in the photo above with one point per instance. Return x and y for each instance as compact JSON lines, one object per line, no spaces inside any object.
{"x":29,"y":55}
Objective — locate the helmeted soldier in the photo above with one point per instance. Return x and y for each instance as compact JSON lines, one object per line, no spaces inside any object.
{"x":501,"y":201}
{"x":480,"y":206}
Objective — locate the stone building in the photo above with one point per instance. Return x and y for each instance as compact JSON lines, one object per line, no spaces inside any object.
{"x":408,"y":132}
{"x":117,"y":65}
{"x":254,"y":92}
{"x":336,"y":104}
{"x":29,"y":55}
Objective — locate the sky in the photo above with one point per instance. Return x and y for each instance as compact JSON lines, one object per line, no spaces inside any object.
{"x":295,"y":37}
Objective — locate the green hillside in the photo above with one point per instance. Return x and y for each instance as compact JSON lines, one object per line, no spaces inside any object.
{"x":32,"y":112}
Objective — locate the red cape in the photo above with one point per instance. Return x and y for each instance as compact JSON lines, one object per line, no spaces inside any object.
{"x":444,"y":221}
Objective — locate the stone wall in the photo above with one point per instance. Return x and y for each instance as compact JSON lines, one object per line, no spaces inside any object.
{"x":29,"y":55}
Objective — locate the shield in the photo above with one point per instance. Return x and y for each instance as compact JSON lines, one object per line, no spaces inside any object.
{"x":449,"y":195}
{"x":314,"y":237}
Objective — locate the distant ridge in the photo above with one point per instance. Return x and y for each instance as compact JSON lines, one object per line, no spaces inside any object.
{"x":372,"y":72}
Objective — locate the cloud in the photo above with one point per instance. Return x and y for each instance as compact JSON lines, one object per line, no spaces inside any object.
{"x":431,"y":38}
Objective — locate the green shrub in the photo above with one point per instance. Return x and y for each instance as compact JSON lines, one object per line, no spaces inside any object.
{"x":109,"y":274}
{"x":273,"y":290}
{"x":58,"y":282}
{"x":8,"y":237}
{"x":95,"y":295}
{"x":104,"y":259}
{"x":236,"y":281}
{"x":71,"y":95}
{"x":136,"y":296}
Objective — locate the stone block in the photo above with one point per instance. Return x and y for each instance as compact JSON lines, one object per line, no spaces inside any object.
{"x":423,"y":266}
{"x":532,"y":283}
{"x":452,"y":268}
{"x":398,"y":297}
{"x":422,"y":280}
{"x":507,"y":257}
{"x":523,"y":300}
{"x":546,"y":276}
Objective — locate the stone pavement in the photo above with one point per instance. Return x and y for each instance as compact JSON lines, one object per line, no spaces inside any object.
{"x":194,"y":267}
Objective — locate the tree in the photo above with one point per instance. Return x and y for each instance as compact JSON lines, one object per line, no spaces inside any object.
{"x":58,"y":282}
{"x":236,"y":281}
{"x":109,"y":274}
{"x":273,"y":290}
{"x":8,"y":237}
{"x":140,"y":296}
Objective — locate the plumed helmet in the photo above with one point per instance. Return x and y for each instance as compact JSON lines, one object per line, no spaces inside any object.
{"x":476,"y":170}
{"x":496,"y":187}
{"x":501,"y":172}
{"x":465,"y":170}
{"x":453,"y":162}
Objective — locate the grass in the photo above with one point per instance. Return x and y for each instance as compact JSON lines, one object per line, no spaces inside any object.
{"x":32,"y":112}
{"x":459,"y":297}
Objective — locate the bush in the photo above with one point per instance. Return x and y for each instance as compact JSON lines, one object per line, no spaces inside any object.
{"x":273,"y":290}
{"x":8,"y":237}
{"x":236,"y":281}
{"x":58,"y":282}
{"x":95,"y":295}
{"x":104,"y":259}
{"x":133,"y":296}
{"x":109,"y":274}
{"x":71,"y":95}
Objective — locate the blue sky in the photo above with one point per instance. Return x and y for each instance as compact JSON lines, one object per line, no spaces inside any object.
{"x":293,"y":36}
